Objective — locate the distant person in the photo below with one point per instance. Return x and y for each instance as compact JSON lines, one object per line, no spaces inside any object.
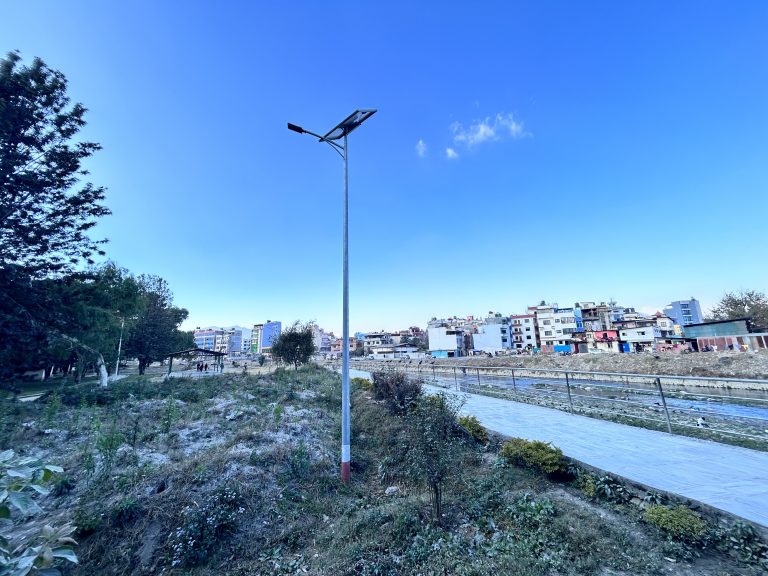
{"x":206,"y":367}
{"x":702,"y":422}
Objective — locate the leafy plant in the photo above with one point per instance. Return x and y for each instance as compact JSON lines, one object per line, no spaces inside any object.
{"x":362,"y":383}
{"x":534,"y":454}
{"x":277,"y":413}
{"x":472,"y":425}
{"x":126,"y":511}
{"x":170,"y":415}
{"x":107,"y":445}
{"x":611,"y":489}
{"x":680,"y":523}
{"x":434,"y":445}
{"x":204,"y":526}
{"x":20,"y":480}
{"x":397,"y":391}
{"x":299,"y":460}
{"x":743,"y":541}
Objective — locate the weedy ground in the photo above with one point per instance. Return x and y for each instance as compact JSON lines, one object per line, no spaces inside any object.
{"x":237,"y":474}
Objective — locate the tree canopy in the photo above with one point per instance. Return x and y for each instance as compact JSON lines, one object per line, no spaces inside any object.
{"x":45,"y":210}
{"x":295,"y":345}
{"x":741,"y":304}
{"x":154,"y":333}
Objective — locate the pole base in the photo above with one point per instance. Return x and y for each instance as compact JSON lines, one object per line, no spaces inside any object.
{"x":345,"y":472}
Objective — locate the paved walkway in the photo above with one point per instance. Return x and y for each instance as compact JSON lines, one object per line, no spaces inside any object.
{"x":727,"y":477}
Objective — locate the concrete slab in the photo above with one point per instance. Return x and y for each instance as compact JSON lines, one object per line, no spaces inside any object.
{"x":730,"y":478}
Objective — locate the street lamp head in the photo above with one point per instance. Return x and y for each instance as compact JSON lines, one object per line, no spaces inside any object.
{"x":295,"y":128}
{"x":349,"y":124}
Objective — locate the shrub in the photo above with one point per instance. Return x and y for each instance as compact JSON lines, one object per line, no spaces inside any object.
{"x":397,"y":391}
{"x":204,"y":526}
{"x":126,"y":512}
{"x":743,"y":541}
{"x":362,"y":383}
{"x":680,"y":523}
{"x":588,"y":484}
{"x":475,"y":429}
{"x":533,"y":454}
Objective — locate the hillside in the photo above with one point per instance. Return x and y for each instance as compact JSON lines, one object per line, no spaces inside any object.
{"x":238,"y":475}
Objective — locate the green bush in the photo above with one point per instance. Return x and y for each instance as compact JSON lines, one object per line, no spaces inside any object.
{"x":397,"y":391}
{"x":475,"y":429}
{"x":533,"y":454}
{"x":362,"y":383}
{"x":680,"y":523}
{"x":204,"y":526}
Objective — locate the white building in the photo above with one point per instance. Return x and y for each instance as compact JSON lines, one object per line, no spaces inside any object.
{"x":445,"y":339}
{"x":524,"y":333}
{"x":493,"y":336}
{"x":641,"y":337}
{"x":557,"y":325}
{"x":374,"y":339}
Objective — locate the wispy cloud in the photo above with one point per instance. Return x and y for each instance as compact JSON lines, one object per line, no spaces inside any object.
{"x":451,"y":154}
{"x":421,"y":148}
{"x":491,"y":128}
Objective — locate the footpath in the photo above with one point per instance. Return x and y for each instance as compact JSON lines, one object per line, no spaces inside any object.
{"x":727,"y":477}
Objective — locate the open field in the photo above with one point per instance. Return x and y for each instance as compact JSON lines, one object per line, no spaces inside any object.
{"x":238,"y":474}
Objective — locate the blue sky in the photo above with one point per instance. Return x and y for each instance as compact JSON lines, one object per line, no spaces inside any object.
{"x":570,"y":151}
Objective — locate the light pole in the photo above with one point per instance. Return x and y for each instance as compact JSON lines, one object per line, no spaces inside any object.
{"x":341,"y":131}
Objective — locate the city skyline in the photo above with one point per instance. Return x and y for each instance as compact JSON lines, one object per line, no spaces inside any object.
{"x":520,"y":152}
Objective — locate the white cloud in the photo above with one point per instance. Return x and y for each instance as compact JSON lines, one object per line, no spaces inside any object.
{"x":421,"y":148}
{"x":490,"y":128}
{"x":451,"y":154}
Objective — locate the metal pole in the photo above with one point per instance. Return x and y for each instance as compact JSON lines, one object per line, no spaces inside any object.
{"x":345,"y":441}
{"x":568,"y":386}
{"x":455,"y":381}
{"x":478,"y":377}
{"x":119,"y":347}
{"x":514,"y":384}
{"x":664,"y":403}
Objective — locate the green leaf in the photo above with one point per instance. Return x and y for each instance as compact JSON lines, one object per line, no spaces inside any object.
{"x":66,"y":553}
{"x":5,"y":512}
{"x":24,"y":503}
{"x":40,"y":489}
{"x":20,"y":472}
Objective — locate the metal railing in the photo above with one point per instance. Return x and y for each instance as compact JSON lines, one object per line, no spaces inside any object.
{"x":733,"y":410}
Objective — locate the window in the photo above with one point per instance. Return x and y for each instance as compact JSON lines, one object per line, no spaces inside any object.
{"x":559,"y":331}
{"x":527,"y":320}
{"x":527,"y":329}
{"x":547,"y":322}
{"x":527,"y":337}
{"x":548,"y":333}
{"x":557,"y":320}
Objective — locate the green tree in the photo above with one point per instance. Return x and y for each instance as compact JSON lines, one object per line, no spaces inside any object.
{"x":745,"y":303}
{"x":435,"y":443}
{"x":45,"y":210}
{"x":295,"y":345}
{"x":154,"y":332}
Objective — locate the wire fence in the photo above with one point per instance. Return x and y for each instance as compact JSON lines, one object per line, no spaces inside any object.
{"x":731,"y":410}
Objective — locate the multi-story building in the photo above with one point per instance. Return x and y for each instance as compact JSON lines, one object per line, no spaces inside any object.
{"x":596,"y":316}
{"x":558,"y":326}
{"x":264,"y":335}
{"x":227,"y":340}
{"x":494,"y":335}
{"x":525,"y":335}
{"x":374,"y":339}
{"x":205,"y":338}
{"x":684,"y":312}
{"x":446,"y":339}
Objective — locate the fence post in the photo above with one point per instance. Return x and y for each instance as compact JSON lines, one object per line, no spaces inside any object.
{"x":434,"y":378}
{"x":455,"y":380}
{"x":664,"y":403}
{"x":478,"y":377}
{"x":514,"y":384}
{"x":568,"y":387}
